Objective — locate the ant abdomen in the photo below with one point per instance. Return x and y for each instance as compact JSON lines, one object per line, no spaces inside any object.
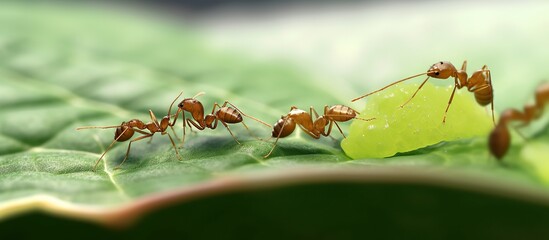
{"x":340,"y":113}
{"x":287,"y":123}
{"x":123,"y":133}
{"x":229,"y":115}
{"x":499,"y":141}
{"x":484,"y":96}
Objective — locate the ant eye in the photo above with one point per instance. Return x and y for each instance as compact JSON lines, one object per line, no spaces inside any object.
{"x":441,"y":63}
{"x":437,"y":73}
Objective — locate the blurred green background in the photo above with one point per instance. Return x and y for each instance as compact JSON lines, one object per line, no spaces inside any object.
{"x":69,"y":64}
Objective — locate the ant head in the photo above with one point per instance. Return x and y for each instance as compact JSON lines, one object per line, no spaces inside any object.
{"x":187,"y":103}
{"x":441,"y":70}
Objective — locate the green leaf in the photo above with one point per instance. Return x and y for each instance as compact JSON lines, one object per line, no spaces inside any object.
{"x":72,"y":77}
{"x":62,"y":67}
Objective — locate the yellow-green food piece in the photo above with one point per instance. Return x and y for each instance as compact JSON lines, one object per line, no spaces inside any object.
{"x":418,"y":124}
{"x":536,"y":154}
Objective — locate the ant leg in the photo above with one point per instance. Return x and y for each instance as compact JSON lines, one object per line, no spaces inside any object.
{"x":214,"y":125}
{"x":312,"y":110}
{"x":190,"y":123}
{"x":464,"y":66}
{"x":184,"y":124}
{"x":327,"y":133}
{"x":129,"y":146}
{"x":174,"y":133}
{"x":108,"y":148}
{"x":312,"y":134}
{"x":517,"y":129}
{"x":493,"y":117}
{"x":339,"y":128}
{"x":173,"y":123}
{"x":155,"y":121}
{"x":216,"y":105}
{"x":489,"y":75}
{"x":250,"y":131}
{"x":277,"y":137}
{"x":174,"y":147}
{"x":449,"y":102}
{"x":195,"y":124}
{"x":145,"y":133}
{"x":153,"y":118}
{"x":491,"y":103}
{"x":420,"y":86}
{"x":228,"y":129}
{"x":102,"y":155}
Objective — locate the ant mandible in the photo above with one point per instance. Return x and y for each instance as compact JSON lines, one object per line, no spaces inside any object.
{"x":337,"y":113}
{"x":126,"y":130}
{"x":500,"y":138}
{"x":225,"y":114}
{"x":480,"y":83}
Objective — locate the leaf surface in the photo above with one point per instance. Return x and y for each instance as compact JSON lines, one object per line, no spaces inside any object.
{"x":65,"y":67}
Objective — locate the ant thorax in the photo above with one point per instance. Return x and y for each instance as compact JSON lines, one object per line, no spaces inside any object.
{"x":296,"y":112}
{"x":320,"y":123}
{"x":209,"y":119}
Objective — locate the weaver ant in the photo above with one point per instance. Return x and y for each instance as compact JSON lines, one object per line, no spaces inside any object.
{"x":126,"y":130}
{"x":480,"y":83}
{"x":337,"y":113}
{"x":225,"y":114}
{"x":500,"y":138}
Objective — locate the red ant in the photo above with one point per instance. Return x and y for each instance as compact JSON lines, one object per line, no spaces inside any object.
{"x":126,"y":130}
{"x":500,"y":138}
{"x":337,"y":113}
{"x":480,"y":83}
{"x":225,"y":114}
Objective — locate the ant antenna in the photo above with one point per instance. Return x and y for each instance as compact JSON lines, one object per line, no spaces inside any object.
{"x":397,"y":82}
{"x":199,"y":94}
{"x":102,"y":127}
